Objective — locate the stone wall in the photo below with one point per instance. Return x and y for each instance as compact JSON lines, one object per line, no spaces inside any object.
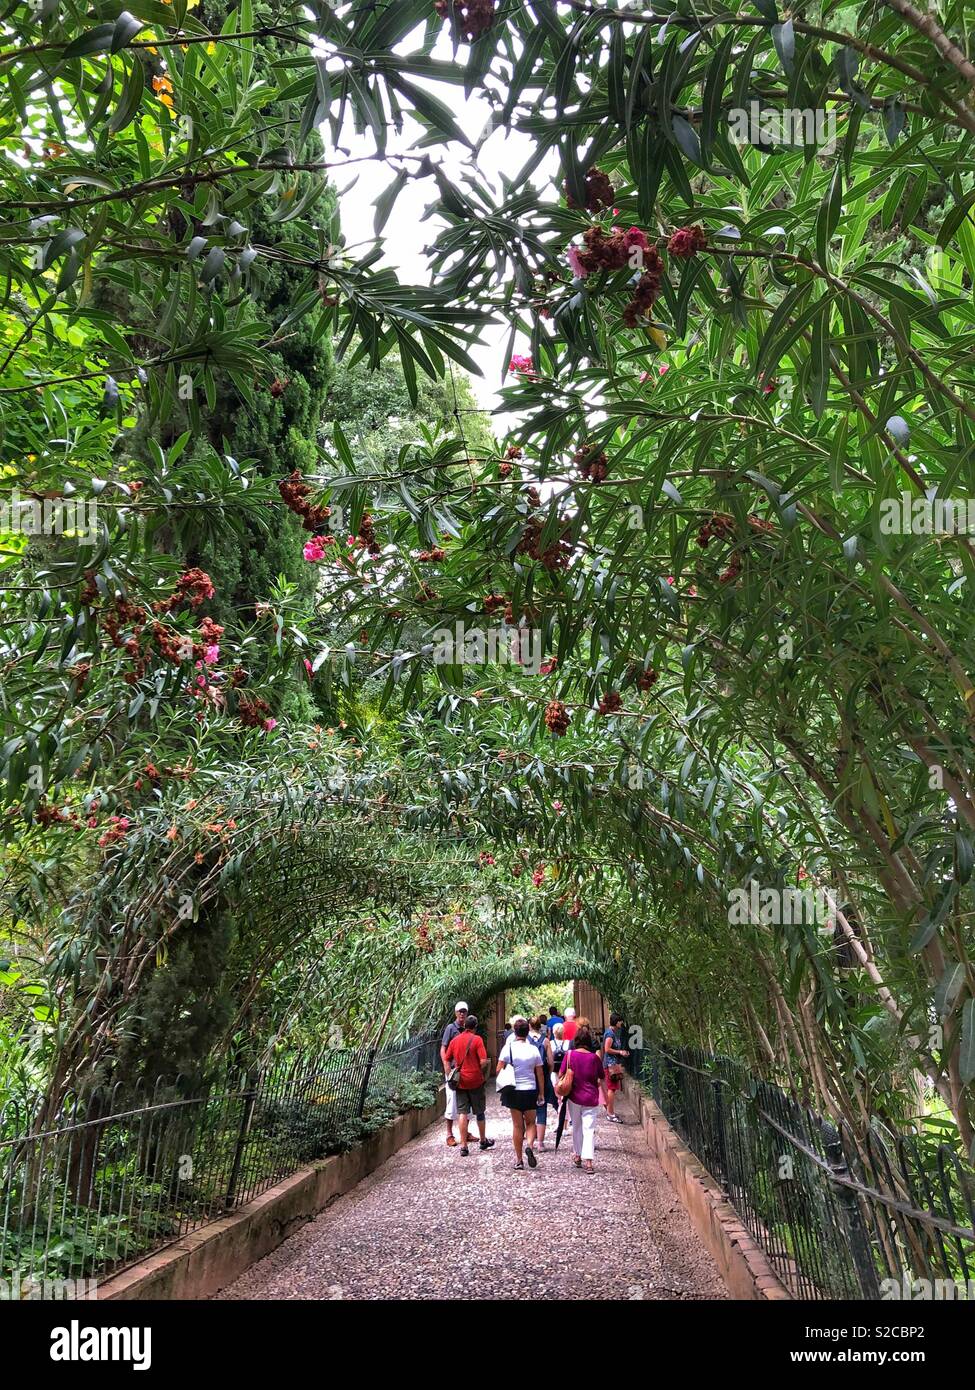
{"x":209,"y":1259}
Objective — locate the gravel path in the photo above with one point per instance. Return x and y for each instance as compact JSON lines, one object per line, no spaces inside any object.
{"x":431,"y":1224}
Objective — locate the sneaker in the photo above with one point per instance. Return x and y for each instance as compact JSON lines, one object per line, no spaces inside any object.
{"x":518,"y":1165}
{"x":532,"y":1160}
{"x":487,"y":1143}
{"x":464,"y":1151}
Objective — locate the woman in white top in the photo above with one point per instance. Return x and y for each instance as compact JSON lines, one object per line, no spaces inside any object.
{"x":526,"y":1094}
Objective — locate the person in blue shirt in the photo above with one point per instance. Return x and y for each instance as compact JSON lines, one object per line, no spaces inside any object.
{"x":614,"y":1053}
{"x":554,"y":1017}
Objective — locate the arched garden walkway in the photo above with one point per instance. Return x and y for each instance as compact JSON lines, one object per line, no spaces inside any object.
{"x":431,"y":1223}
{"x":333,"y":689}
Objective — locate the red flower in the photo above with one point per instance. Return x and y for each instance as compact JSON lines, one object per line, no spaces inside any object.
{"x":646,"y":679}
{"x":472,"y":18}
{"x":611,"y":703}
{"x":598,"y":192}
{"x":557,"y":718}
{"x":647,"y":288}
{"x":687,"y":241}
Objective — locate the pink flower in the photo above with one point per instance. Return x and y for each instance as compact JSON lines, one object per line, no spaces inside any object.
{"x":556,"y":805}
{"x":308,"y":668}
{"x":663,"y":369}
{"x":313,"y":550}
{"x":636,"y":237}
{"x":520,"y":363}
{"x":270,"y":724}
{"x":211,"y":654}
{"x":575,"y":263}
{"x":201,"y":681}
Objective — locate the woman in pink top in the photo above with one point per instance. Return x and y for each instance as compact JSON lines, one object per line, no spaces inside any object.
{"x":588,"y":1083}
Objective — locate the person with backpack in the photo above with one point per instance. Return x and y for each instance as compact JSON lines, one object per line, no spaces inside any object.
{"x":538,"y":1035}
{"x":524,"y":1091}
{"x":559,"y":1048}
{"x":468,"y":1068}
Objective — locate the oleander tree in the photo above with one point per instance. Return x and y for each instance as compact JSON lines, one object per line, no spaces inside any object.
{"x":738,"y":648}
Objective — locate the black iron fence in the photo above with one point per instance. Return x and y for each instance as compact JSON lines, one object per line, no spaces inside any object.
{"x":840,"y":1215}
{"x":113,"y":1180}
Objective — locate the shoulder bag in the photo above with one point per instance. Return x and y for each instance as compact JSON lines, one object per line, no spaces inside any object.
{"x":506,"y":1078}
{"x":453,"y":1076}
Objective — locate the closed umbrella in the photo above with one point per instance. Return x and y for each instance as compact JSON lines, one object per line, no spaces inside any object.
{"x":563,"y":1111}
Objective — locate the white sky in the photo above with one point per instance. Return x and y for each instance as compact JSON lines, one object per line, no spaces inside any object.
{"x":404,"y":235}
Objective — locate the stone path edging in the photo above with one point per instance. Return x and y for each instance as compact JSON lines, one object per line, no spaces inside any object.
{"x":206,"y":1260}
{"x":742,"y":1263}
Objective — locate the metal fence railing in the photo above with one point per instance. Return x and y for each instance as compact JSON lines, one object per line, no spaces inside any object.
{"x":837,"y":1213}
{"x":116,"y":1178}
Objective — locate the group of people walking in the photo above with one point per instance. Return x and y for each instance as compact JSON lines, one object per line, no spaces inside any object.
{"x":542,"y":1062}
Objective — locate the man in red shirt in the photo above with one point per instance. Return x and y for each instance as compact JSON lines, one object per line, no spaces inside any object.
{"x":468,"y":1053}
{"x":570,"y":1026}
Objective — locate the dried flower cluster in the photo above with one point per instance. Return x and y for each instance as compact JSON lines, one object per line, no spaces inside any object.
{"x":294,"y":493}
{"x":557,"y":718}
{"x":599,"y":192}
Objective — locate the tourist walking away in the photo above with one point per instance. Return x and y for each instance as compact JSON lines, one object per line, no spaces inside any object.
{"x":554,"y":1018}
{"x":538,"y":1036}
{"x":614,"y":1054}
{"x":452,"y":1031}
{"x":582,"y":1080}
{"x":468,"y":1070}
{"x":569,"y":1026}
{"x":522,"y":1089}
{"x":559,"y":1047}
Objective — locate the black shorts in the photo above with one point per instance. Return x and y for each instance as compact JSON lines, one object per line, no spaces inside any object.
{"x":469,"y":1102}
{"x":519,"y":1100}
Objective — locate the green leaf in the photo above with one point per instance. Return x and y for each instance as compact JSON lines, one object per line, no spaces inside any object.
{"x":126,"y":28}
{"x":966,"y":1051}
{"x":933,"y":919}
{"x":784,"y":39}
{"x":386,"y":201}
{"x":686,"y":137}
{"x":97,"y":40}
{"x":829,"y":216}
{"x":130,"y":99}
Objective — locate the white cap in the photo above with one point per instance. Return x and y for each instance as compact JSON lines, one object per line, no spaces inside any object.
{"x":570,"y":1013}
{"x":461,"y":1005}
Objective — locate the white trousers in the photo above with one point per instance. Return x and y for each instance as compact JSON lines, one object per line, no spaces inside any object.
{"x":583,"y":1119}
{"x":450,"y":1112}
